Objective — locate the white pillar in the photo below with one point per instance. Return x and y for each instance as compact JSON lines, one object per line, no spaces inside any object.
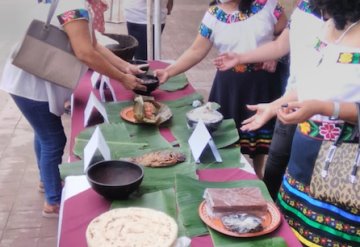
{"x":149,"y":5}
{"x":157,"y":32}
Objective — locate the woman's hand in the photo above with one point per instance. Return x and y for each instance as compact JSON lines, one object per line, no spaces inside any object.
{"x":136,"y":69}
{"x":298,"y":112}
{"x":131,"y":82}
{"x":264,"y":112}
{"x":162,"y":75}
{"x":226,"y":61}
{"x":270,"y":66}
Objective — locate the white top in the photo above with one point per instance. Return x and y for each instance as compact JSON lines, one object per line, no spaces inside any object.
{"x":301,"y":19}
{"x":239,"y":32}
{"x":135,"y":11}
{"x":322,"y":71}
{"x":18,"y":82}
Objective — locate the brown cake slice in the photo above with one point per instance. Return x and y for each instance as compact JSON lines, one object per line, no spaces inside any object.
{"x":235,"y":200}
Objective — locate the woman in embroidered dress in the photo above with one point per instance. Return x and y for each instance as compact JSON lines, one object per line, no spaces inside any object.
{"x":42,"y":103}
{"x":239,"y":26}
{"x":303,"y":16}
{"x":325,"y":88}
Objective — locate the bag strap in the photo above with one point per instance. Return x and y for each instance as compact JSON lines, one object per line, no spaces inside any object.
{"x":339,"y":140}
{"x":51,"y":12}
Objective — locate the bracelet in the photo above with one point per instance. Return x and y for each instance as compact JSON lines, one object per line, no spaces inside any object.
{"x":336,"y":111}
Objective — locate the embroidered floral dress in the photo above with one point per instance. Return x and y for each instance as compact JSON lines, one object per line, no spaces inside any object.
{"x":328,"y":72}
{"x":245,"y":83}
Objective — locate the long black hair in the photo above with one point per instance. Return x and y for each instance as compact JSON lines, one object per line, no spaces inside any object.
{"x":244,"y":5}
{"x":342,"y":11}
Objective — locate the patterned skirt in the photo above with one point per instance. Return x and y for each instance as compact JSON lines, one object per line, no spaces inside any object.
{"x":233,"y":90}
{"x":314,"y":222}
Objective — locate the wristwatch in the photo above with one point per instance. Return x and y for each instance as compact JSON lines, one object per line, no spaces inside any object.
{"x":336,"y":111}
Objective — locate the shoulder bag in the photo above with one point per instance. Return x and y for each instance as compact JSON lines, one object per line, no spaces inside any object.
{"x":46,"y":53}
{"x":336,"y":174}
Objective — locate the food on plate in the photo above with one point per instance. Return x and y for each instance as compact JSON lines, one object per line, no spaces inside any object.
{"x":241,"y":210}
{"x":158,"y":158}
{"x":147,"y":110}
{"x":242,"y":223}
{"x":133,"y":226}
{"x":210,"y":116}
{"x":222,"y":201}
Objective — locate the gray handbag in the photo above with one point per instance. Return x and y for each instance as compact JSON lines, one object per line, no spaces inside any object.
{"x":46,"y":53}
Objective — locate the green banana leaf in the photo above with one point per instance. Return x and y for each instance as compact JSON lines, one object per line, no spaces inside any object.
{"x":121,"y":142}
{"x":162,"y":200}
{"x":175,"y":83}
{"x":189,"y":195}
{"x":71,"y":169}
{"x":231,"y":158}
{"x":154,"y":178}
{"x":221,"y":240}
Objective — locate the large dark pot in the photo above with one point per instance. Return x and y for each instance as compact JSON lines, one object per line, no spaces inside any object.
{"x":115,"y":179}
{"x":126,"y":47}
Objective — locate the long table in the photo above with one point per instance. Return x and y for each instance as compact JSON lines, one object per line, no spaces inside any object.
{"x":80,"y":204}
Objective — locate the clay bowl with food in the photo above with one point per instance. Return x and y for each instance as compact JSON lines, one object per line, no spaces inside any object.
{"x":115,"y":179}
{"x":211,"y":118}
{"x":151,"y":82}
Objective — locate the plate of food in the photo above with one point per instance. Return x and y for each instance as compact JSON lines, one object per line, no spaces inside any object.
{"x":132,"y":226}
{"x":146,"y":110}
{"x":250,"y":216}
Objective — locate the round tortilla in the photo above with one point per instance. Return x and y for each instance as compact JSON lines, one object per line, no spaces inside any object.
{"x":133,"y":226}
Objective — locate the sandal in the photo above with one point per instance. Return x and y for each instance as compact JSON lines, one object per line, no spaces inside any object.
{"x":50,"y":211}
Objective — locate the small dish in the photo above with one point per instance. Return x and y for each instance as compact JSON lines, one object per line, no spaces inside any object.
{"x":271,"y":222}
{"x":128,"y":114}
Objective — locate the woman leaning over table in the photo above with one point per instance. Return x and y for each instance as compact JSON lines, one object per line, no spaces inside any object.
{"x":238,"y":26}
{"x":42,"y":103}
{"x":325,"y":88}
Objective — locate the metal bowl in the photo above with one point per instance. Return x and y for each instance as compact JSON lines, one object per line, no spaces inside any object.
{"x":211,"y":124}
{"x":115,"y":179}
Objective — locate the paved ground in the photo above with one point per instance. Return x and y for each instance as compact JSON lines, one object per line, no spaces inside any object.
{"x":21,"y":223}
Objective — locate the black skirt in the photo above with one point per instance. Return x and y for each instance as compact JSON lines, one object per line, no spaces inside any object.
{"x":234,"y":90}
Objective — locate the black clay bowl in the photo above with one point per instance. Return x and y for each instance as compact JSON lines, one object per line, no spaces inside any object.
{"x":151,"y":82}
{"x":145,"y":64}
{"x":212,"y":121}
{"x":115,"y":179}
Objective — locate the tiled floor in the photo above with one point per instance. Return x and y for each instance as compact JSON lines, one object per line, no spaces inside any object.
{"x":21,"y":223}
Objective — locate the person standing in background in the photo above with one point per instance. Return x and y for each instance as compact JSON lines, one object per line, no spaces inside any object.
{"x":238,"y":26}
{"x":135,"y":12}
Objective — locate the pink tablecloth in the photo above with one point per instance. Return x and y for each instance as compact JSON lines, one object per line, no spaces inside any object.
{"x":81,"y":208}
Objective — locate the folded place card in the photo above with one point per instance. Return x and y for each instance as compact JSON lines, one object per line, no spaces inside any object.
{"x":199,"y":140}
{"x":95,"y":79}
{"x":94,"y":111}
{"x":107,"y":92}
{"x":96,"y":149}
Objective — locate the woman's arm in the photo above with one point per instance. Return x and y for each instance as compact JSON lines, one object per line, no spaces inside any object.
{"x":193,"y":55}
{"x":80,"y":39}
{"x":269,"y":51}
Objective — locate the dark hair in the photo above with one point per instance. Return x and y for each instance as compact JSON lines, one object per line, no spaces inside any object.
{"x":342,"y":11}
{"x":244,"y":5}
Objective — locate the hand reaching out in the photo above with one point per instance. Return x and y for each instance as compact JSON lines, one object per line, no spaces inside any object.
{"x":226,"y":61}
{"x":298,"y":112}
{"x":131,"y":82}
{"x":162,"y":75}
{"x":263,"y":113}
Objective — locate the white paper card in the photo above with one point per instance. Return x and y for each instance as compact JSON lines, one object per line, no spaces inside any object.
{"x":105,"y":84}
{"x":95,"y":78}
{"x":198,"y":141}
{"x":94,"y":104}
{"x":96,"y":145}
